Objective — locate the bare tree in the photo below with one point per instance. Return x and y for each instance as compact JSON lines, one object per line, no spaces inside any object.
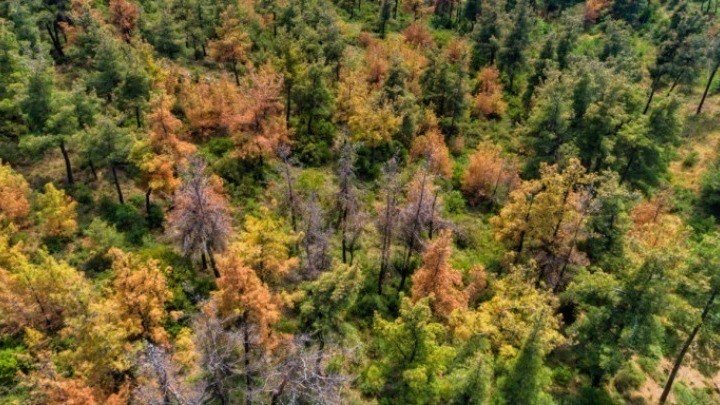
{"x":315,"y":242}
{"x":162,"y":382}
{"x":350,"y":219}
{"x":418,"y":218}
{"x":220,"y":355}
{"x":302,"y":375}
{"x":390,"y":185}
{"x":200,"y":222}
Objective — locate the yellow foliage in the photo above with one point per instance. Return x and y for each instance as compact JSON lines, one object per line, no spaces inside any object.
{"x":140,"y":294}
{"x":56,"y":214}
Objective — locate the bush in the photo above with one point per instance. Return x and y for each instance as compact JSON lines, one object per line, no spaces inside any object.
{"x":126,"y":218}
{"x":629,"y":377}
{"x":9,"y":366}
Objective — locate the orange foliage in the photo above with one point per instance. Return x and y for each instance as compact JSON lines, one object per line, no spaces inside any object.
{"x":13,"y":194}
{"x":457,"y":51}
{"x":594,"y":9}
{"x":418,"y":35}
{"x":242,"y":298}
{"x":654,"y":227}
{"x":489,"y":176}
{"x":163,"y":154}
{"x":438,"y":278}
{"x":260,"y":127}
{"x":489,"y":99}
{"x":252,"y":113}
{"x":232,"y":43}
{"x":124,"y":16}
{"x":141,"y":293}
{"x":432,"y":147}
{"x":376,"y":62}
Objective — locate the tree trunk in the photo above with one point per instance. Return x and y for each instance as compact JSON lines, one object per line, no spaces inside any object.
{"x":685,"y":348}
{"x":707,"y":87}
{"x":137,"y":116}
{"x":246,"y":361}
{"x":68,"y":168}
{"x":117,"y":183}
{"x":204,"y":261}
{"x":147,"y":201}
{"x":653,"y":88}
{"x":211,"y":258}
{"x":92,"y":169}
{"x":235,"y":72}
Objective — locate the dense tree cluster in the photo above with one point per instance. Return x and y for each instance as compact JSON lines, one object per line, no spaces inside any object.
{"x":391,"y":201}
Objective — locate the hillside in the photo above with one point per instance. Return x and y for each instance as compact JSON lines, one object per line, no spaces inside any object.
{"x":384,"y":202}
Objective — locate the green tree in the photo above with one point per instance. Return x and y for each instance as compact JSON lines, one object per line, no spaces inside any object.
{"x":410,"y":357}
{"x":511,"y":59}
{"x":527,"y":377}
{"x":109,"y":145}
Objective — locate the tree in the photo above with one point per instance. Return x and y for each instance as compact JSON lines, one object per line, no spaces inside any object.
{"x":540,"y":70}
{"x":108,"y":144}
{"x":351,"y":219}
{"x":436,"y":277}
{"x":141,"y":294}
{"x":489,"y":176}
{"x":232,"y":43}
{"x":124,"y":16}
{"x":55,"y":211}
{"x":390,"y":186}
{"x":315,"y":241}
{"x":385,"y":14}
{"x":46,"y":111}
{"x":417,"y":219}
{"x":680,"y":52}
{"x":546,"y":219}
{"x":13,"y":70}
{"x":161,"y":155}
{"x":200,"y":222}
{"x":370,"y":121}
{"x":511,"y":58}
{"x":40,"y":296}
{"x":244,"y":301}
{"x":410,"y":356}
{"x":548,"y":127}
{"x":489,"y":97}
{"x":527,"y":377}
{"x":14,"y":191}
{"x":260,"y":126}
{"x":431,"y":146}
{"x":714,"y":56}
{"x":265,"y":247}
{"x":108,"y":66}
{"x":326,"y":300}
{"x":486,"y":37}
{"x":704,"y":264}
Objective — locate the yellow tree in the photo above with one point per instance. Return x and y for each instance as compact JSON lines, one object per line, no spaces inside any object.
{"x":232,"y":43}
{"x":140,"y":293}
{"x":13,"y":194}
{"x":545,"y":220}
{"x":437,"y":277}
{"x":265,"y":246}
{"x":489,"y":176}
{"x":55,"y":212}
{"x":369,"y":120}
{"x":41,"y":295}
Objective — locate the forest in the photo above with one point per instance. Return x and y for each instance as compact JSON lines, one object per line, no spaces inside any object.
{"x":499,"y":202}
